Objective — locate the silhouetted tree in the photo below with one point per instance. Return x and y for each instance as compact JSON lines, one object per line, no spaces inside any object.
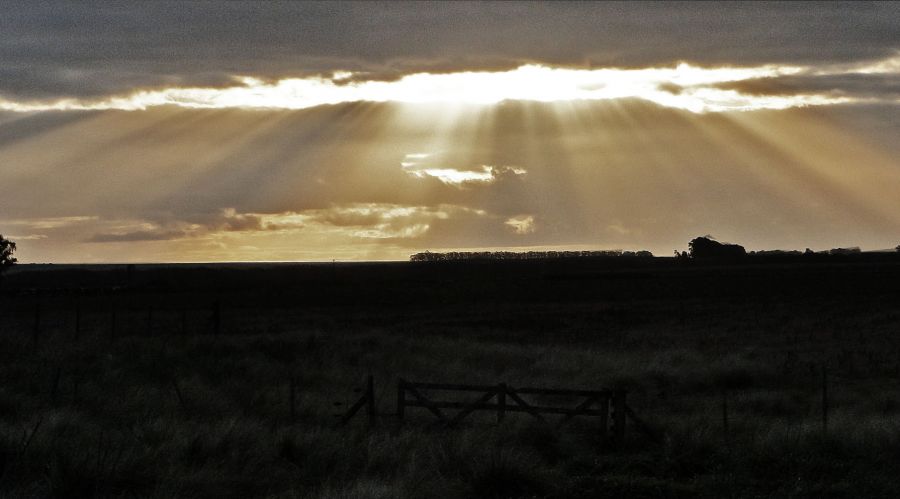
{"x":7,"y":248}
{"x":844,"y":251}
{"x":898,"y":248}
{"x":707,"y":247}
{"x":775,"y":253}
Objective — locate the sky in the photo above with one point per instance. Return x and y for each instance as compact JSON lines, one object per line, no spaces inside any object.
{"x":208,"y":131}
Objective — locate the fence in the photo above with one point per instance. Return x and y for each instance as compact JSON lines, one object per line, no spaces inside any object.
{"x":106,"y":314}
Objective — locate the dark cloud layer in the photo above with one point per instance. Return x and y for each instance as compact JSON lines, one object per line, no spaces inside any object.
{"x":59,"y":49}
{"x":858,"y":85}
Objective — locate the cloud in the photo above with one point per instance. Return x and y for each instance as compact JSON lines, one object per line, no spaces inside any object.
{"x":385,"y":220}
{"x":228,"y":219}
{"x":141,"y":235}
{"x":184,"y":226}
{"x":29,"y":237}
{"x":51,"y":222}
{"x":425,"y":165}
{"x":522,"y":224}
{"x":485,"y":174}
{"x":876,"y":87}
{"x":355,"y":220}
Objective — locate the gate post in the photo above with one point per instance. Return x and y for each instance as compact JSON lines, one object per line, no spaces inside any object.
{"x":401,"y":399}
{"x":501,"y":402}
{"x":618,"y":402}
{"x":604,"y":417}
{"x":370,"y":399}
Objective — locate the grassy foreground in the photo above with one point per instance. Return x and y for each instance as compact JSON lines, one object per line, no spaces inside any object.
{"x":154,"y":410}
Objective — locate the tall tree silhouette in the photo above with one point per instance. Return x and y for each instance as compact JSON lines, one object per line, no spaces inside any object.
{"x":707,"y":247}
{"x":7,"y":248}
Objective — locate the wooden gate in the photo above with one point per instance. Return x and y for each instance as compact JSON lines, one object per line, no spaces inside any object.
{"x":503,"y":398}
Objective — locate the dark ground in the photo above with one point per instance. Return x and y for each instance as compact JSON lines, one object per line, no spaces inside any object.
{"x":726,"y":362}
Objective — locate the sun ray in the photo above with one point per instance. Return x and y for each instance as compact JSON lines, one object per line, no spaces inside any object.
{"x":853,"y":172}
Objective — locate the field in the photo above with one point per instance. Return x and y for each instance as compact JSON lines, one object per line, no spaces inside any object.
{"x":776,"y":379}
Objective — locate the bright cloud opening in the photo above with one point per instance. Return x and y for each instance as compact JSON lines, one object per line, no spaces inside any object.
{"x":694,"y":86}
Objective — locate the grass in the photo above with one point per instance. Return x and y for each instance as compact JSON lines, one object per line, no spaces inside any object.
{"x":113,"y":424}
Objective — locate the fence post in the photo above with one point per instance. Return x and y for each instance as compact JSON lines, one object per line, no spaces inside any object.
{"x":619,"y":416}
{"x":54,"y":389}
{"x":824,"y":399}
{"x":401,"y":399}
{"x":183,"y":322}
{"x":604,"y":417}
{"x":150,"y":321}
{"x":725,"y":429}
{"x":178,"y":395}
{"x":217,"y":317}
{"x":75,"y":383}
{"x":77,"y":319}
{"x":370,"y":399}
{"x":112,"y":320}
{"x":292,"y":387}
{"x":501,"y":402}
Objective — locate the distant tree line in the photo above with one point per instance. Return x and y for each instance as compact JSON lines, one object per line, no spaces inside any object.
{"x":699,"y":248}
{"x":428,"y":256}
{"x":833,"y":251}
